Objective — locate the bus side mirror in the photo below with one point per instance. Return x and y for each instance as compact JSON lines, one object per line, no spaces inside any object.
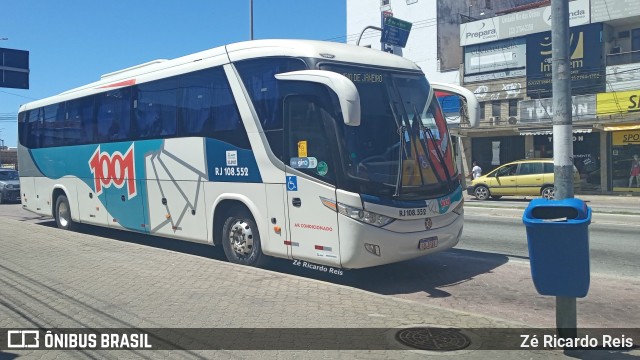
{"x":339,"y":84}
{"x":473,"y":106}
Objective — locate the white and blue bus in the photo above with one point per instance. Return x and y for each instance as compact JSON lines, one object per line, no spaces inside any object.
{"x":323,"y":152}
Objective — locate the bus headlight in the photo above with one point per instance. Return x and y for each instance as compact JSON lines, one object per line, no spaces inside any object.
{"x":364,"y":216}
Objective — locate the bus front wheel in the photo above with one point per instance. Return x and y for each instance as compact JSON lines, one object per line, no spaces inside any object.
{"x":63,"y":214}
{"x":241,"y":239}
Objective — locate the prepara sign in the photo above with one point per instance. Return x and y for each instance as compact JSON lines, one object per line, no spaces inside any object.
{"x":478,"y":32}
{"x":520,"y":23}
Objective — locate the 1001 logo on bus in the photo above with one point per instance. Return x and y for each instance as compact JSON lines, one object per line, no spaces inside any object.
{"x":114,"y":169}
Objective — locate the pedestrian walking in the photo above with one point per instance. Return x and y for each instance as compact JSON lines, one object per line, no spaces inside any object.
{"x":476,"y":171}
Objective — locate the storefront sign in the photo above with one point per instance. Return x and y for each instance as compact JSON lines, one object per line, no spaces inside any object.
{"x":620,"y":102}
{"x":583,"y":109}
{"x":607,"y":10}
{"x":626,"y":137}
{"x":587,"y":66}
{"x":477,"y":32}
{"x":520,"y":23}
{"x":493,"y":58}
{"x":513,"y":89}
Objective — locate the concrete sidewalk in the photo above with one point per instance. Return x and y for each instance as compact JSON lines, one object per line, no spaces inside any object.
{"x":59,"y":279}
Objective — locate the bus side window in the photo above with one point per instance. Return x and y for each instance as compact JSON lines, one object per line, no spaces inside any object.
{"x":80,"y":120}
{"x":194,"y":107}
{"x":34,"y":119}
{"x":155,"y":113}
{"x":114,"y":115}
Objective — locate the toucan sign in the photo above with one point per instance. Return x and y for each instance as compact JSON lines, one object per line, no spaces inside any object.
{"x":619,"y":102}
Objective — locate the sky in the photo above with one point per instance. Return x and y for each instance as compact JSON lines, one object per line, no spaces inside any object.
{"x":74,"y":42}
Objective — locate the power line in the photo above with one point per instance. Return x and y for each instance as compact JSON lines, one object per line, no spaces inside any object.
{"x":22,"y":96}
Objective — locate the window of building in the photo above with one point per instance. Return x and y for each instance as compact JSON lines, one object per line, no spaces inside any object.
{"x":495,"y":107}
{"x":513,"y":107}
{"x":482,"y":110}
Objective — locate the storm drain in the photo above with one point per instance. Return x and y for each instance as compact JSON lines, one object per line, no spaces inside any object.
{"x":435,"y":339}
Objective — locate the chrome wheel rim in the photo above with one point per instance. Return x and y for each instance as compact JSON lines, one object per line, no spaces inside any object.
{"x":482,"y":193}
{"x":548,"y":193}
{"x":63,"y":214}
{"x":241,"y":238}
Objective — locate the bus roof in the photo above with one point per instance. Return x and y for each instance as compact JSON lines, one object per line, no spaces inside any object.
{"x":230,"y":53}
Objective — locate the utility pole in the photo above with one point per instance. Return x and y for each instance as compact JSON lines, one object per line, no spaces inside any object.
{"x":566,"y":318}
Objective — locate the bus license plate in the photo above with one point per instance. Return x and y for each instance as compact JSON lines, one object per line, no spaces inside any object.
{"x":428,"y":243}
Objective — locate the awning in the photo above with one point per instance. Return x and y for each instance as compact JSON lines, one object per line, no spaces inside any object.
{"x":618,"y":127}
{"x":550,"y":131}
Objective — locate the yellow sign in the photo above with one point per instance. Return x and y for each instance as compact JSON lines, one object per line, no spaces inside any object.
{"x":619,"y":102}
{"x":626,"y":137}
{"x":302,"y":148}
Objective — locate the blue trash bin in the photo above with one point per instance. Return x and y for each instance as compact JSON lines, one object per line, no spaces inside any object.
{"x":558,"y":240}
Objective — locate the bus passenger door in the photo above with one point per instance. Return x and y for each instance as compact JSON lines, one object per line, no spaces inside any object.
{"x":310,"y":178}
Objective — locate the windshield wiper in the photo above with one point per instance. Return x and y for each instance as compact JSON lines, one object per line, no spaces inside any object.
{"x":439,"y":154}
{"x":402,"y":150}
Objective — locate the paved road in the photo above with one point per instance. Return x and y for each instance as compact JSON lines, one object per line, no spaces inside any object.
{"x":52,"y":278}
{"x":613,"y":239}
{"x":487,"y":273}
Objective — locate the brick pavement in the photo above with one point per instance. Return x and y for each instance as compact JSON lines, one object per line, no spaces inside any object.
{"x":54,"y":279}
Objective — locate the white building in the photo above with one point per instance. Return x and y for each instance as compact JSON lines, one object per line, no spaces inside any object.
{"x":423,"y":42}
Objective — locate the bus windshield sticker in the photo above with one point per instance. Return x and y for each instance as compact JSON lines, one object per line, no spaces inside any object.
{"x":322,"y":168}
{"x":303,"y":162}
{"x":232,"y":158}
{"x":302,"y":148}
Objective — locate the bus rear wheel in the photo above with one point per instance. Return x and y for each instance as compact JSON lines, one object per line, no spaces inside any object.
{"x":241,"y":239}
{"x":63,"y":214}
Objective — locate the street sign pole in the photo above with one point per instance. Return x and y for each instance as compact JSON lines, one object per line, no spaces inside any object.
{"x":566,"y":318}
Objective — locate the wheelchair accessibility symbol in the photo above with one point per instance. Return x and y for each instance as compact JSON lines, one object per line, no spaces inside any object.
{"x":292,"y":183}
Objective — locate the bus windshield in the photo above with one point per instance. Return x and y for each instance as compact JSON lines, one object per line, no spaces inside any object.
{"x":401,"y":147}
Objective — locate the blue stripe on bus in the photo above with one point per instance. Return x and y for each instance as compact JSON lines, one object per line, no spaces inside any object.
{"x":58,"y":162}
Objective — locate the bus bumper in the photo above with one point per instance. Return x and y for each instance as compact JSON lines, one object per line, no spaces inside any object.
{"x":378,"y":246}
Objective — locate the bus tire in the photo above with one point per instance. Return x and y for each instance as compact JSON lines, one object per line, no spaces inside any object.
{"x":241,"y":239}
{"x":63,"y":214}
